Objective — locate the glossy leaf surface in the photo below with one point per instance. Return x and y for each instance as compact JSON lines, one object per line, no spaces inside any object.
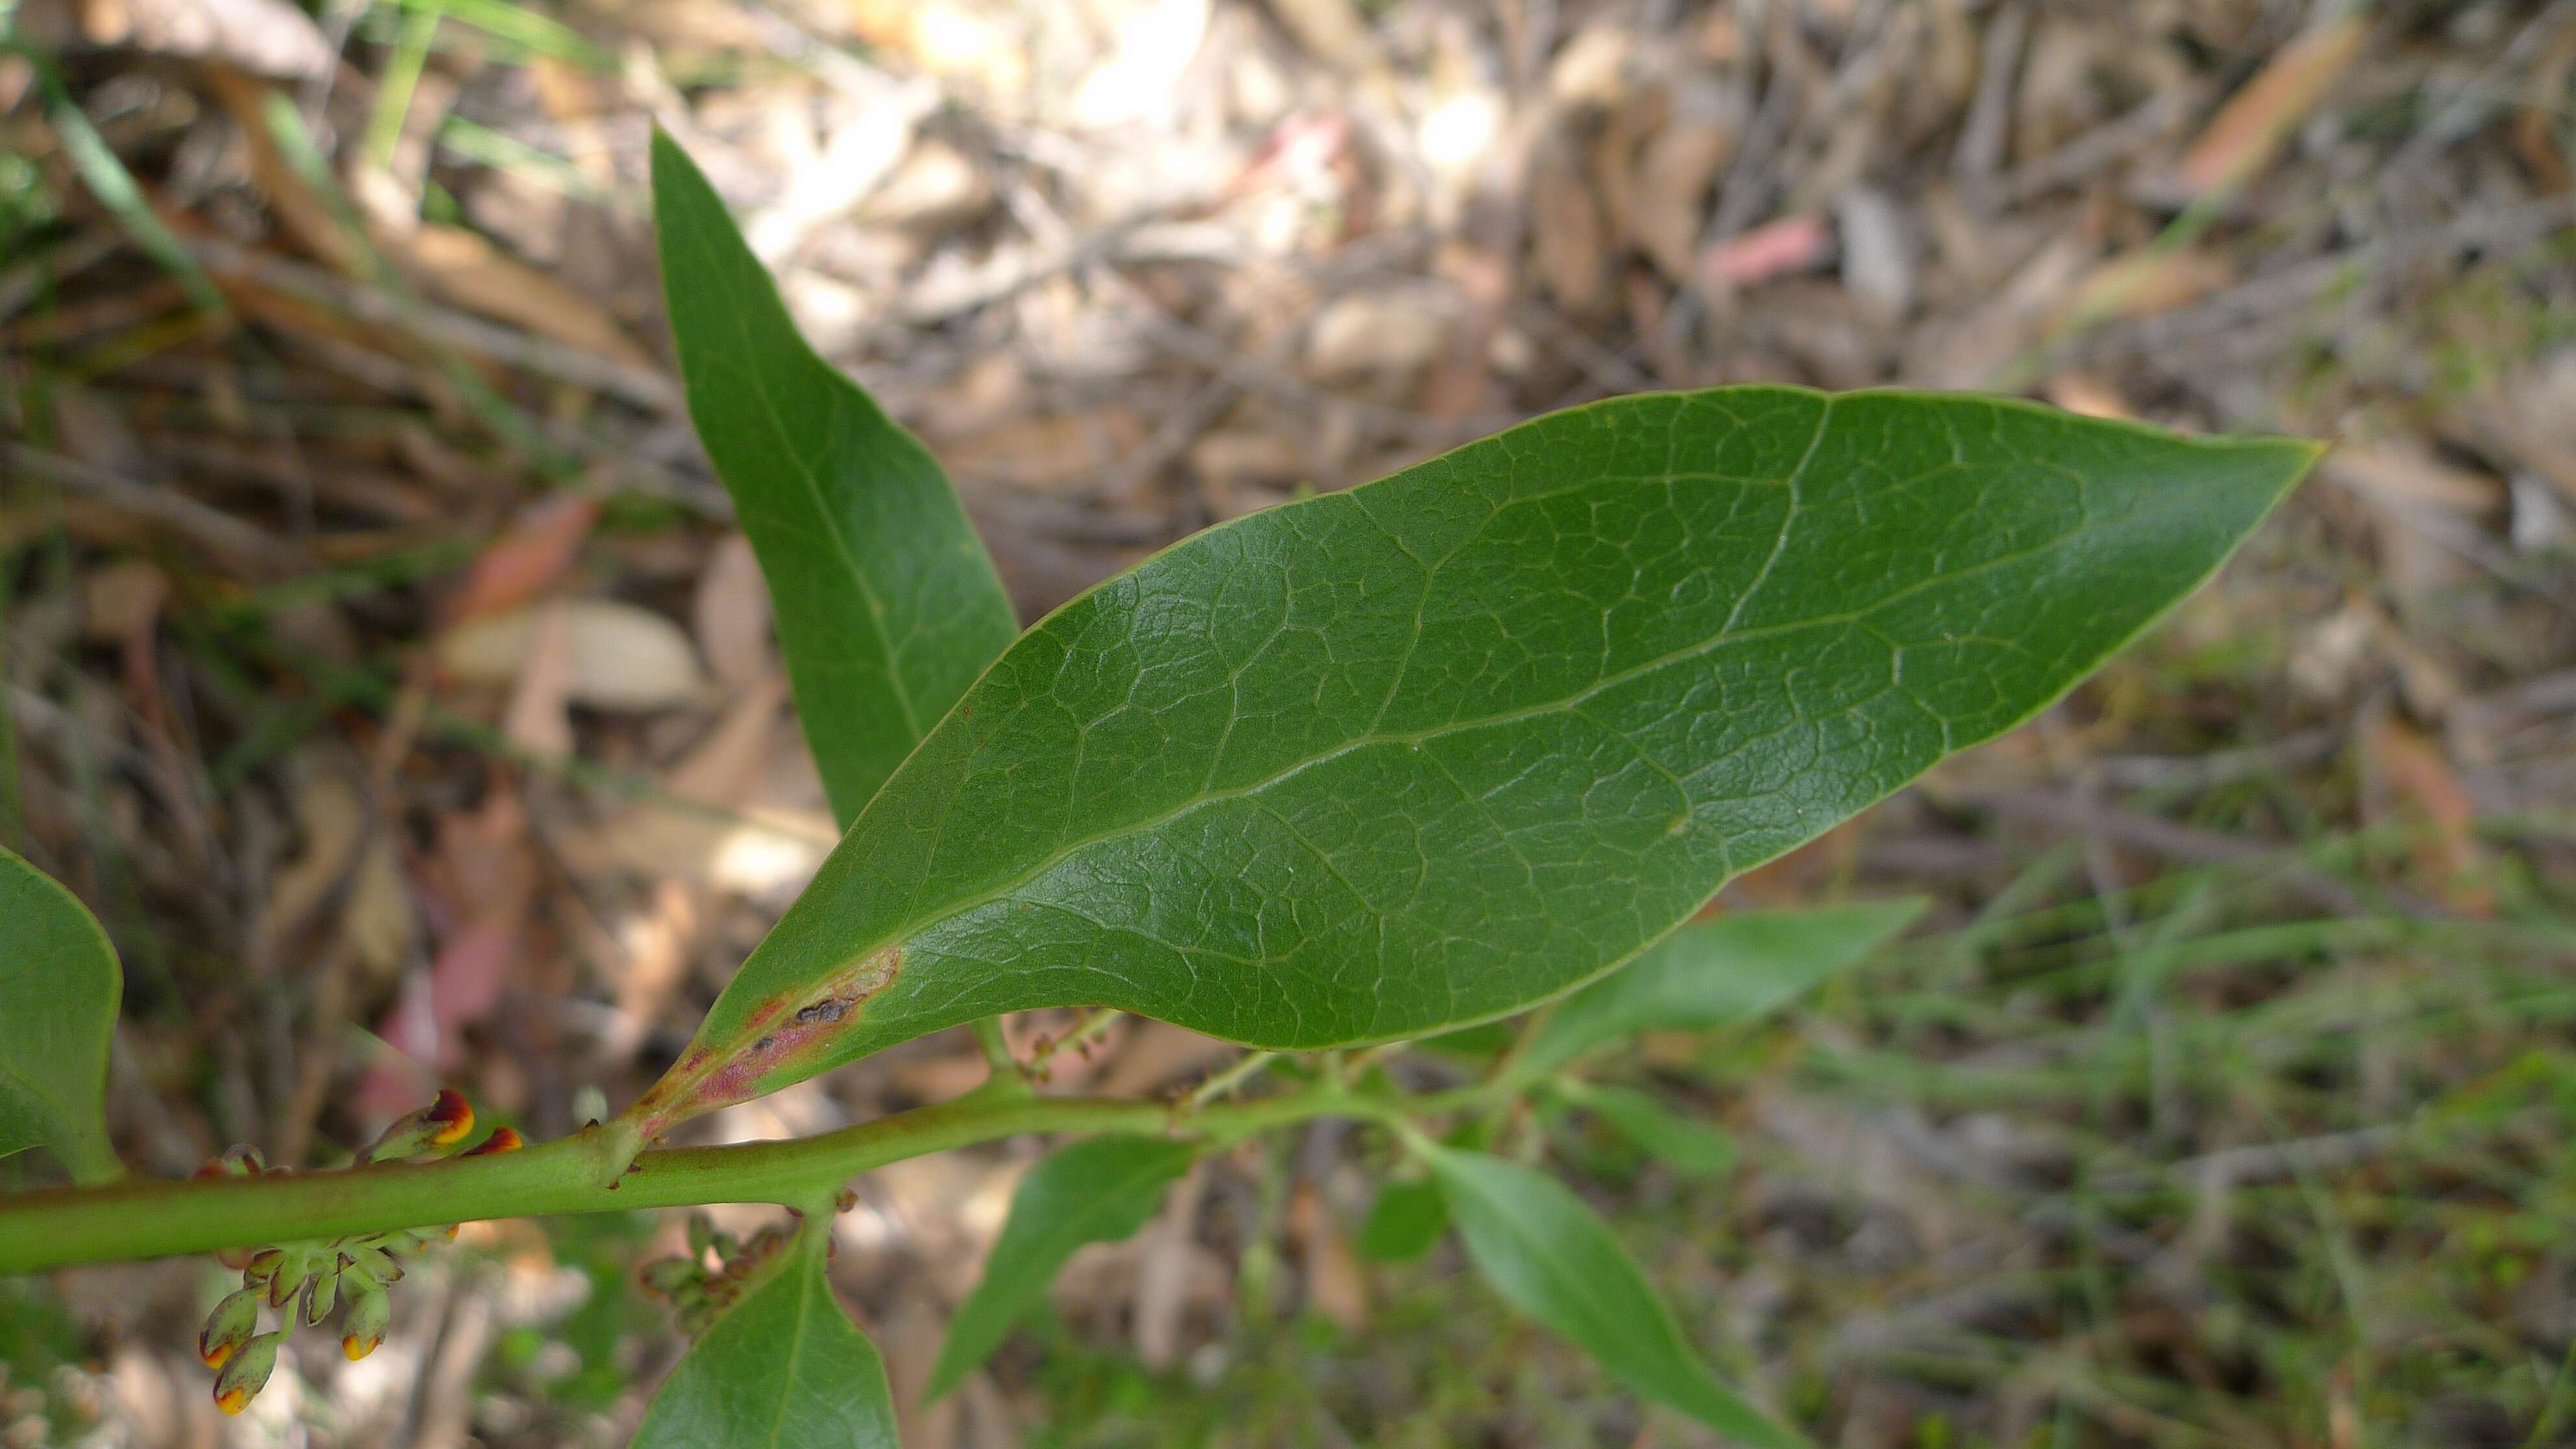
{"x":1097,"y":1191}
{"x":1430,"y":750}
{"x":783,"y":1369}
{"x":59,"y":987}
{"x":1549,"y":1256}
{"x":886,"y":603}
{"x":1715,"y":973}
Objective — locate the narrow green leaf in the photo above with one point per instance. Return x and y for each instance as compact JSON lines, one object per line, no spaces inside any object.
{"x":887,"y":605}
{"x":104,"y":172}
{"x":1096,"y":1191}
{"x":1715,"y":973}
{"x":59,"y":986}
{"x":1428,"y":751}
{"x":783,"y":1369}
{"x":1406,"y":1219}
{"x":1692,"y":1148}
{"x":1549,"y":1256}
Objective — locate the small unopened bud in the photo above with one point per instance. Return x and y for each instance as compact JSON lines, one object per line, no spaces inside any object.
{"x":503,"y":1139}
{"x":372,"y":1263}
{"x":320,"y":1298}
{"x":666,"y":1275}
{"x":287,"y":1276}
{"x":433,"y":1129}
{"x":246,"y":1373}
{"x":239,"y":1160}
{"x":228,"y":1328}
{"x":364,"y":1327}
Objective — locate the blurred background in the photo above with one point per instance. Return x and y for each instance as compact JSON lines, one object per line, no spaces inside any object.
{"x":383,"y":666}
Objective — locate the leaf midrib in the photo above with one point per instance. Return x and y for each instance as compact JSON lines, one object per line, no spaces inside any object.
{"x":917,"y":920}
{"x":1543,"y":1250}
{"x":841,"y":550}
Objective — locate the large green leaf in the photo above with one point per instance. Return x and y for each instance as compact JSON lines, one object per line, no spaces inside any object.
{"x":783,"y":1369}
{"x":1714,"y":973}
{"x":59,"y":986}
{"x":1098,"y":1191}
{"x":1430,"y":750}
{"x":887,"y":605}
{"x":1555,"y":1260}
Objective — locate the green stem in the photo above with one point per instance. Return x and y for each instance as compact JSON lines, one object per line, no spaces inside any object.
{"x":145,"y":1219}
{"x":1232,"y":1077}
{"x":997,"y":1047}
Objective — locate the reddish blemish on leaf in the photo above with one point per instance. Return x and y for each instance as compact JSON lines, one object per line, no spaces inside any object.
{"x":780,"y":1035}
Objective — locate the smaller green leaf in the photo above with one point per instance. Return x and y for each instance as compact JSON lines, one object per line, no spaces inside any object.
{"x":785,"y":1368}
{"x":1692,"y":1148}
{"x":1098,"y":1191}
{"x":1406,"y":1219}
{"x":887,"y":604}
{"x":59,"y":986}
{"x":1731,"y":969}
{"x":1553,"y":1259}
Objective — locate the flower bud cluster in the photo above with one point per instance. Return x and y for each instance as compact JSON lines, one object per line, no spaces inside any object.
{"x":699,"y":1294}
{"x":308,"y":1281}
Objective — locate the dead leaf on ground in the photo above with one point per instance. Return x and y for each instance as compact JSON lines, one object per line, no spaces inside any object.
{"x":1676,"y":168}
{"x":1385,"y":333}
{"x":652,"y":950}
{"x":122,"y":600}
{"x":2404,"y":474}
{"x":2248,"y":130}
{"x":538,"y":718}
{"x":2090,"y":396}
{"x":528,"y":559}
{"x":936,"y":186}
{"x":2148,"y":281}
{"x":264,"y":37}
{"x":1566,"y":234}
{"x":463,"y":269}
{"x":623,"y":658}
{"x":1167,"y":1250}
{"x":731,"y":613}
{"x":331,"y":817}
{"x":1791,"y":244}
{"x":1335,"y":1286}
{"x":379,"y":918}
{"x":2411,"y":768}
{"x":1153,"y":46}
{"x":2535,"y":122}
{"x":1333,"y":29}
{"x":1051,"y":451}
{"x":718,"y":830}
{"x":958,"y":39}
{"x":305,"y":216}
